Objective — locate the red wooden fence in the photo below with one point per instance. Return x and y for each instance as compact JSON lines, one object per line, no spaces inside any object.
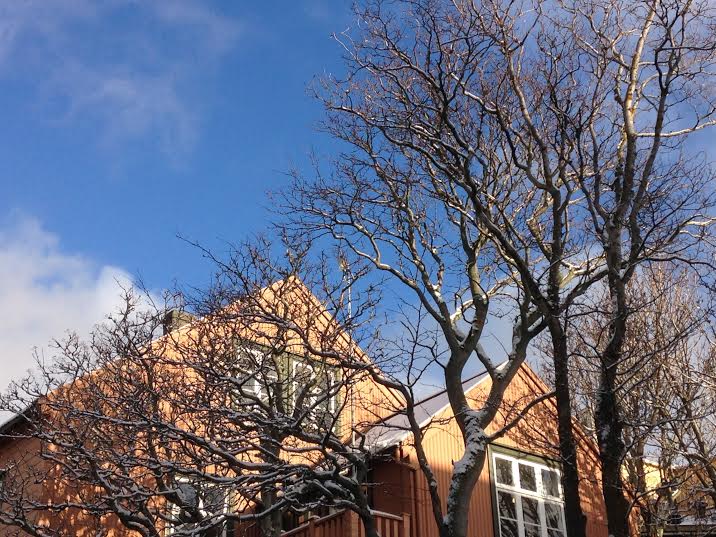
{"x":328,"y":526}
{"x":389,"y":525}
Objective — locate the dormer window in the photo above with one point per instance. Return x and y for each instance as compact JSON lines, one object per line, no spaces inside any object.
{"x":286,"y":384}
{"x":314,"y":391}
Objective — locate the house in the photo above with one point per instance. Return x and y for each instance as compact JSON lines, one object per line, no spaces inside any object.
{"x":518,"y":493}
{"x":683,"y":504}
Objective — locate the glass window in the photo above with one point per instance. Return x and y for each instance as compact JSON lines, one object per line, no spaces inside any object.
{"x":507,"y":509}
{"x":528,"y":481}
{"x":503,"y":471}
{"x":304,"y":385}
{"x":307,"y":388}
{"x":257,"y":380}
{"x":507,"y":505}
{"x":550,"y":482}
{"x":530,"y":511}
{"x":508,"y":528}
{"x":553,"y":516}
{"x":531,"y":516}
{"x":528,"y":498}
{"x":315,"y":389}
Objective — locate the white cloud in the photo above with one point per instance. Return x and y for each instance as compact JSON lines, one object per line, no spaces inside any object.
{"x":129,"y":105}
{"x":46,"y":291}
{"x":136,"y":68}
{"x":217,"y":33}
{"x":39,"y":19}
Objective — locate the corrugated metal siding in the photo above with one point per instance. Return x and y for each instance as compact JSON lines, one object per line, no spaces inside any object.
{"x":537,"y":434}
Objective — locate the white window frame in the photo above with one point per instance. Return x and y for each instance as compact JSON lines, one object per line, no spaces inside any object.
{"x":296,"y":389}
{"x":255,"y":386}
{"x":175,"y":509}
{"x":253,"y":380}
{"x":540,"y":495}
{"x":311,"y":398}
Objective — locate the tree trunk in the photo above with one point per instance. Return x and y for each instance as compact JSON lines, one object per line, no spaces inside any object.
{"x":608,"y":421}
{"x":368,"y":521}
{"x":465,"y":475}
{"x":576,"y":522}
{"x":367,"y":518}
{"x":611,"y":450}
{"x":271,"y":525}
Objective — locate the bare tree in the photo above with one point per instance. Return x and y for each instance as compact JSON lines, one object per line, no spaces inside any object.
{"x":522,"y":146}
{"x":427,"y":193}
{"x":663,"y":388}
{"x":240,"y":417}
{"x":645,"y":200}
{"x":497,"y":160}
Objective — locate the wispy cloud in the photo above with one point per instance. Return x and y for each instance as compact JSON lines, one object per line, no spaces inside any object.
{"x":46,"y":290}
{"x":40,"y":20}
{"x":129,"y":105}
{"x":216,"y":32}
{"x":134,"y":68}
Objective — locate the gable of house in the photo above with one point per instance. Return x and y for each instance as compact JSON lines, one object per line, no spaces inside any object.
{"x":401,"y":486}
{"x":365,"y":402}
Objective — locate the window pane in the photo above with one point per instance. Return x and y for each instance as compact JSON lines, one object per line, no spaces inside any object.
{"x":555,"y":533}
{"x":530,"y":510}
{"x":503,"y":471}
{"x":550,"y":483}
{"x":325,"y":385}
{"x":528,"y":480}
{"x":532,"y":530}
{"x":508,"y":528}
{"x":304,"y":385}
{"x":213,"y":500}
{"x":553,"y":512}
{"x":507,"y":505}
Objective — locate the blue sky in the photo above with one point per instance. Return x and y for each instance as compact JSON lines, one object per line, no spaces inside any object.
{"x":128,"y":122}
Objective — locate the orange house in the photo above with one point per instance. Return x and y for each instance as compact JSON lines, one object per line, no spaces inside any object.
{"x":518,"y":493}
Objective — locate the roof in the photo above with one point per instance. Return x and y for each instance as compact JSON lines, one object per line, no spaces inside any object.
{"x":9,"y":419}
{"x":396,"y":428}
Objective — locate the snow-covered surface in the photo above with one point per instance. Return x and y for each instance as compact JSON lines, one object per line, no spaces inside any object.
{"x":7,"y":418}
{"x":396,"y":428}
{"x":691,"y":520}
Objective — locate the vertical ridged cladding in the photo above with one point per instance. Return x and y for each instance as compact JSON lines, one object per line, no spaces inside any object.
{"x":536,"y":434}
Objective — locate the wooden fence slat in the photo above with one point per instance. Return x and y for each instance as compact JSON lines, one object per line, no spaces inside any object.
{"x":335,"y":525}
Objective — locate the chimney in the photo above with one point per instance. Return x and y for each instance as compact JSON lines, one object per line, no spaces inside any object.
{"x":174,"y":318}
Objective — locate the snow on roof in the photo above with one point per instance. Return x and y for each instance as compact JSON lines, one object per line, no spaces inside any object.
{"x":10,"y":419}
{"x":693,"y":520}
{"x":5,"y":417}
{"x":396,"y":428}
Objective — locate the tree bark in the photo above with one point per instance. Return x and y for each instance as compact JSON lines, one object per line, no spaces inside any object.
{"x":271,"y":525}
{"x":611,"y":451}
{"x":456,"y":519}
{"x":575,"y":521}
